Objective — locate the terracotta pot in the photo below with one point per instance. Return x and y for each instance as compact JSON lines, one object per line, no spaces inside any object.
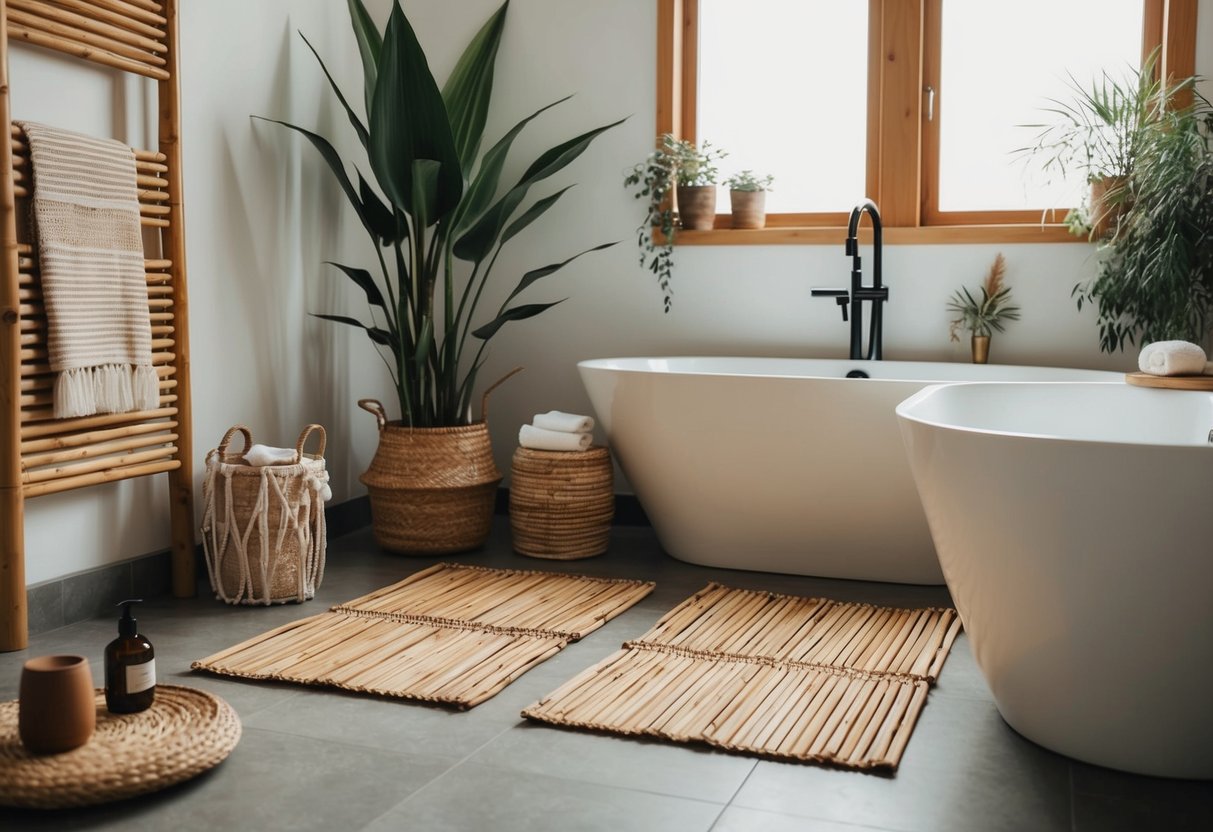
{"x":981,"y":348}
{"x":1106,"y":213}
{"x":696,"y":207}
{"x":749,"y":208}
{"x":57,"y":708}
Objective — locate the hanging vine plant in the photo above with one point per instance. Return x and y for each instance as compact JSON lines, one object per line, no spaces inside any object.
{"x":675,"y":162}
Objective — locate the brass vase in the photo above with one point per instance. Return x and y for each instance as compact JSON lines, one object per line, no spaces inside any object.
{"x":981,"y":349}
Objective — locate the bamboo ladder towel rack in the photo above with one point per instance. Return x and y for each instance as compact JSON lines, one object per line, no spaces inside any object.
{"x":40,"y":454}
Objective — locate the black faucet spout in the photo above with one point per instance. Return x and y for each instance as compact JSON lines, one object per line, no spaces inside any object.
{"x":876,"y":294}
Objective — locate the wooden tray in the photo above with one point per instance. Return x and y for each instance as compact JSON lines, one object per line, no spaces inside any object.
{"x":1170,"y":382}
{"x":185,"y":732}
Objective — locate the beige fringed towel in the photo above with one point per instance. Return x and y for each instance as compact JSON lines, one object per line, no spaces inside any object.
{"x":90,"y":249}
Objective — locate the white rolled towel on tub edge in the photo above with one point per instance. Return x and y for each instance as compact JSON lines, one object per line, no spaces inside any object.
{"x":1172,"y":358}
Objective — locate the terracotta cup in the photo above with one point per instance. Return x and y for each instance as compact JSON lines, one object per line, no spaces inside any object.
{"x":57,"y":709}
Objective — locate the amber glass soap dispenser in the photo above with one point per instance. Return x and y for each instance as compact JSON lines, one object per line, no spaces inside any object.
{"x":130,"y":667}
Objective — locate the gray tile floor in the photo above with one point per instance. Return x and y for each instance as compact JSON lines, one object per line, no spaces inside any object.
{"x":314,"y":759}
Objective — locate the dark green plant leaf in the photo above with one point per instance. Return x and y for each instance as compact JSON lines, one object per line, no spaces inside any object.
{"x":560,"y":156}
{"x":516,"y":313}
{"x":468,"y":90}
{"x":379,"y":336}
{"x":382,"y":222}
{"x":329,"y":153}
{"x":538,"y":274}
{"x":484,"y":185}
{"x":370,"y":44}
{"x":365,"y":282}
{"x":409,"y":122}
{"x":483,"y":235}
{"x":359,"y":127}
{"x":425,"y":177}
{"x":531,"y":214}
{"x":424,"y":341}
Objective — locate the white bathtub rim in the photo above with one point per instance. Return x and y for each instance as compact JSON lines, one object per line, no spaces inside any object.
{"x":639,"y":364}
{"x":905,"y":408}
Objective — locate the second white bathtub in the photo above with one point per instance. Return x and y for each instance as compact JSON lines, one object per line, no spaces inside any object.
{"x":780,"y":465}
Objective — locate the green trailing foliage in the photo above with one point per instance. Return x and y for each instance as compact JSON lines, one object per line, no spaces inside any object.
{"x":441,"y":222}
{"x":675,"y":162}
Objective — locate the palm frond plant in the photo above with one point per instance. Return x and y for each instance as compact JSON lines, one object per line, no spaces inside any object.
{"x":675,"y":162}
{"x":1098,"y":132}
{"x":437,"y":221}
{"x":986,"y":314}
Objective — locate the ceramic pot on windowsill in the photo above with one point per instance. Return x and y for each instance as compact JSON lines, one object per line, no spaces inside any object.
{"x":696,"y":207}
{"x":749,"y":208}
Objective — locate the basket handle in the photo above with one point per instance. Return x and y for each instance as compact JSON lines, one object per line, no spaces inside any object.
{"x":373,"y":406}
{"x":484,"y":400}
{"x":227,"y":439}
{"x":303,"y":437}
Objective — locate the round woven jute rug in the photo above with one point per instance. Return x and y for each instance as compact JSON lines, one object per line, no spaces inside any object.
{"x":185,"y":732}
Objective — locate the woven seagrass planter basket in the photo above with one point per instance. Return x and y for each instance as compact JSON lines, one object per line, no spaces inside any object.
{"x":431,"y":489}
{"x":561,"y":502}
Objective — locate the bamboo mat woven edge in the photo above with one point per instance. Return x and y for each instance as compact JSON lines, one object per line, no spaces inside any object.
{"x":759,"y":704}
{"x":432,"y":658}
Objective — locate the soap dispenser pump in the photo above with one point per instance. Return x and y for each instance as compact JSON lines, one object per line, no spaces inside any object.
{"x":130,"y":667}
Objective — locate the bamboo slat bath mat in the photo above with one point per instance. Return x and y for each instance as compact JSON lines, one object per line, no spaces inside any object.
{"x":776,"y":675}
{"x":451,"y":633}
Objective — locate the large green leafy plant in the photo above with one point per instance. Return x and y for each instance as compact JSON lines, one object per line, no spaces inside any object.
{"x":441,"y":222}
{"x":1155,"y":276}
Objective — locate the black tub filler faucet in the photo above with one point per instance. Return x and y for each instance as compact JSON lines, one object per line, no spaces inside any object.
{"x":877,"y":293}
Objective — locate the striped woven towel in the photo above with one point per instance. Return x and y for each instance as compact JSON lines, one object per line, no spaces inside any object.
{"x":90,"y":249}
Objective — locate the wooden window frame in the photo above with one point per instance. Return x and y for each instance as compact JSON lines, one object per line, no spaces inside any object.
{"x":903,"y":148}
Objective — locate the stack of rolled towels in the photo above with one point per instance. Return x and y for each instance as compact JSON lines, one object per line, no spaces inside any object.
{"x":557,"y":431}
{"x":1174,"y":358}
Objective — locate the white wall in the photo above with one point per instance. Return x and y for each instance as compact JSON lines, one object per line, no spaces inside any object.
{"x":261,"y":216}
{"x":262,"y":213}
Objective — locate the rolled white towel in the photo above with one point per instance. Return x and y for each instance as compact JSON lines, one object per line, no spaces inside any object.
{"x":1172,"y":358}
{"x":540,"y":439}
{"x":563,"y":422}
{"x":259,"y":455}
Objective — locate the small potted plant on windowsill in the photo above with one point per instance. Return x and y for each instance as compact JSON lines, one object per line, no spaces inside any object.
{"x":986,"y":315}
{"x":695,"y":172}
{"x":676,"y":167}
{"x":748,"y":198}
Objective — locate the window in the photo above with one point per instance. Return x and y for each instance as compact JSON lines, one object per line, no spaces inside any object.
{"x":911,"y":102}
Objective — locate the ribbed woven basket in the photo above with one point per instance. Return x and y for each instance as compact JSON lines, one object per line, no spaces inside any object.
{"x":562,"y":502}
{"x":432,"y":489}
{"x":263,"y":528}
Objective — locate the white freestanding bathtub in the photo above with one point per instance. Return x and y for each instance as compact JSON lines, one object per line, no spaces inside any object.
{"x":1074,"y":530}
{"x":780,"y":464}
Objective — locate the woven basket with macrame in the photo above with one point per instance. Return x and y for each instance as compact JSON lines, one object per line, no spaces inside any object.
{"x":263,"y":528}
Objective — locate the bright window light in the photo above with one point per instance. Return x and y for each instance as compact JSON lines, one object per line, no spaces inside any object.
{"x":783,"y":86}
{"x":1000,"y":64}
